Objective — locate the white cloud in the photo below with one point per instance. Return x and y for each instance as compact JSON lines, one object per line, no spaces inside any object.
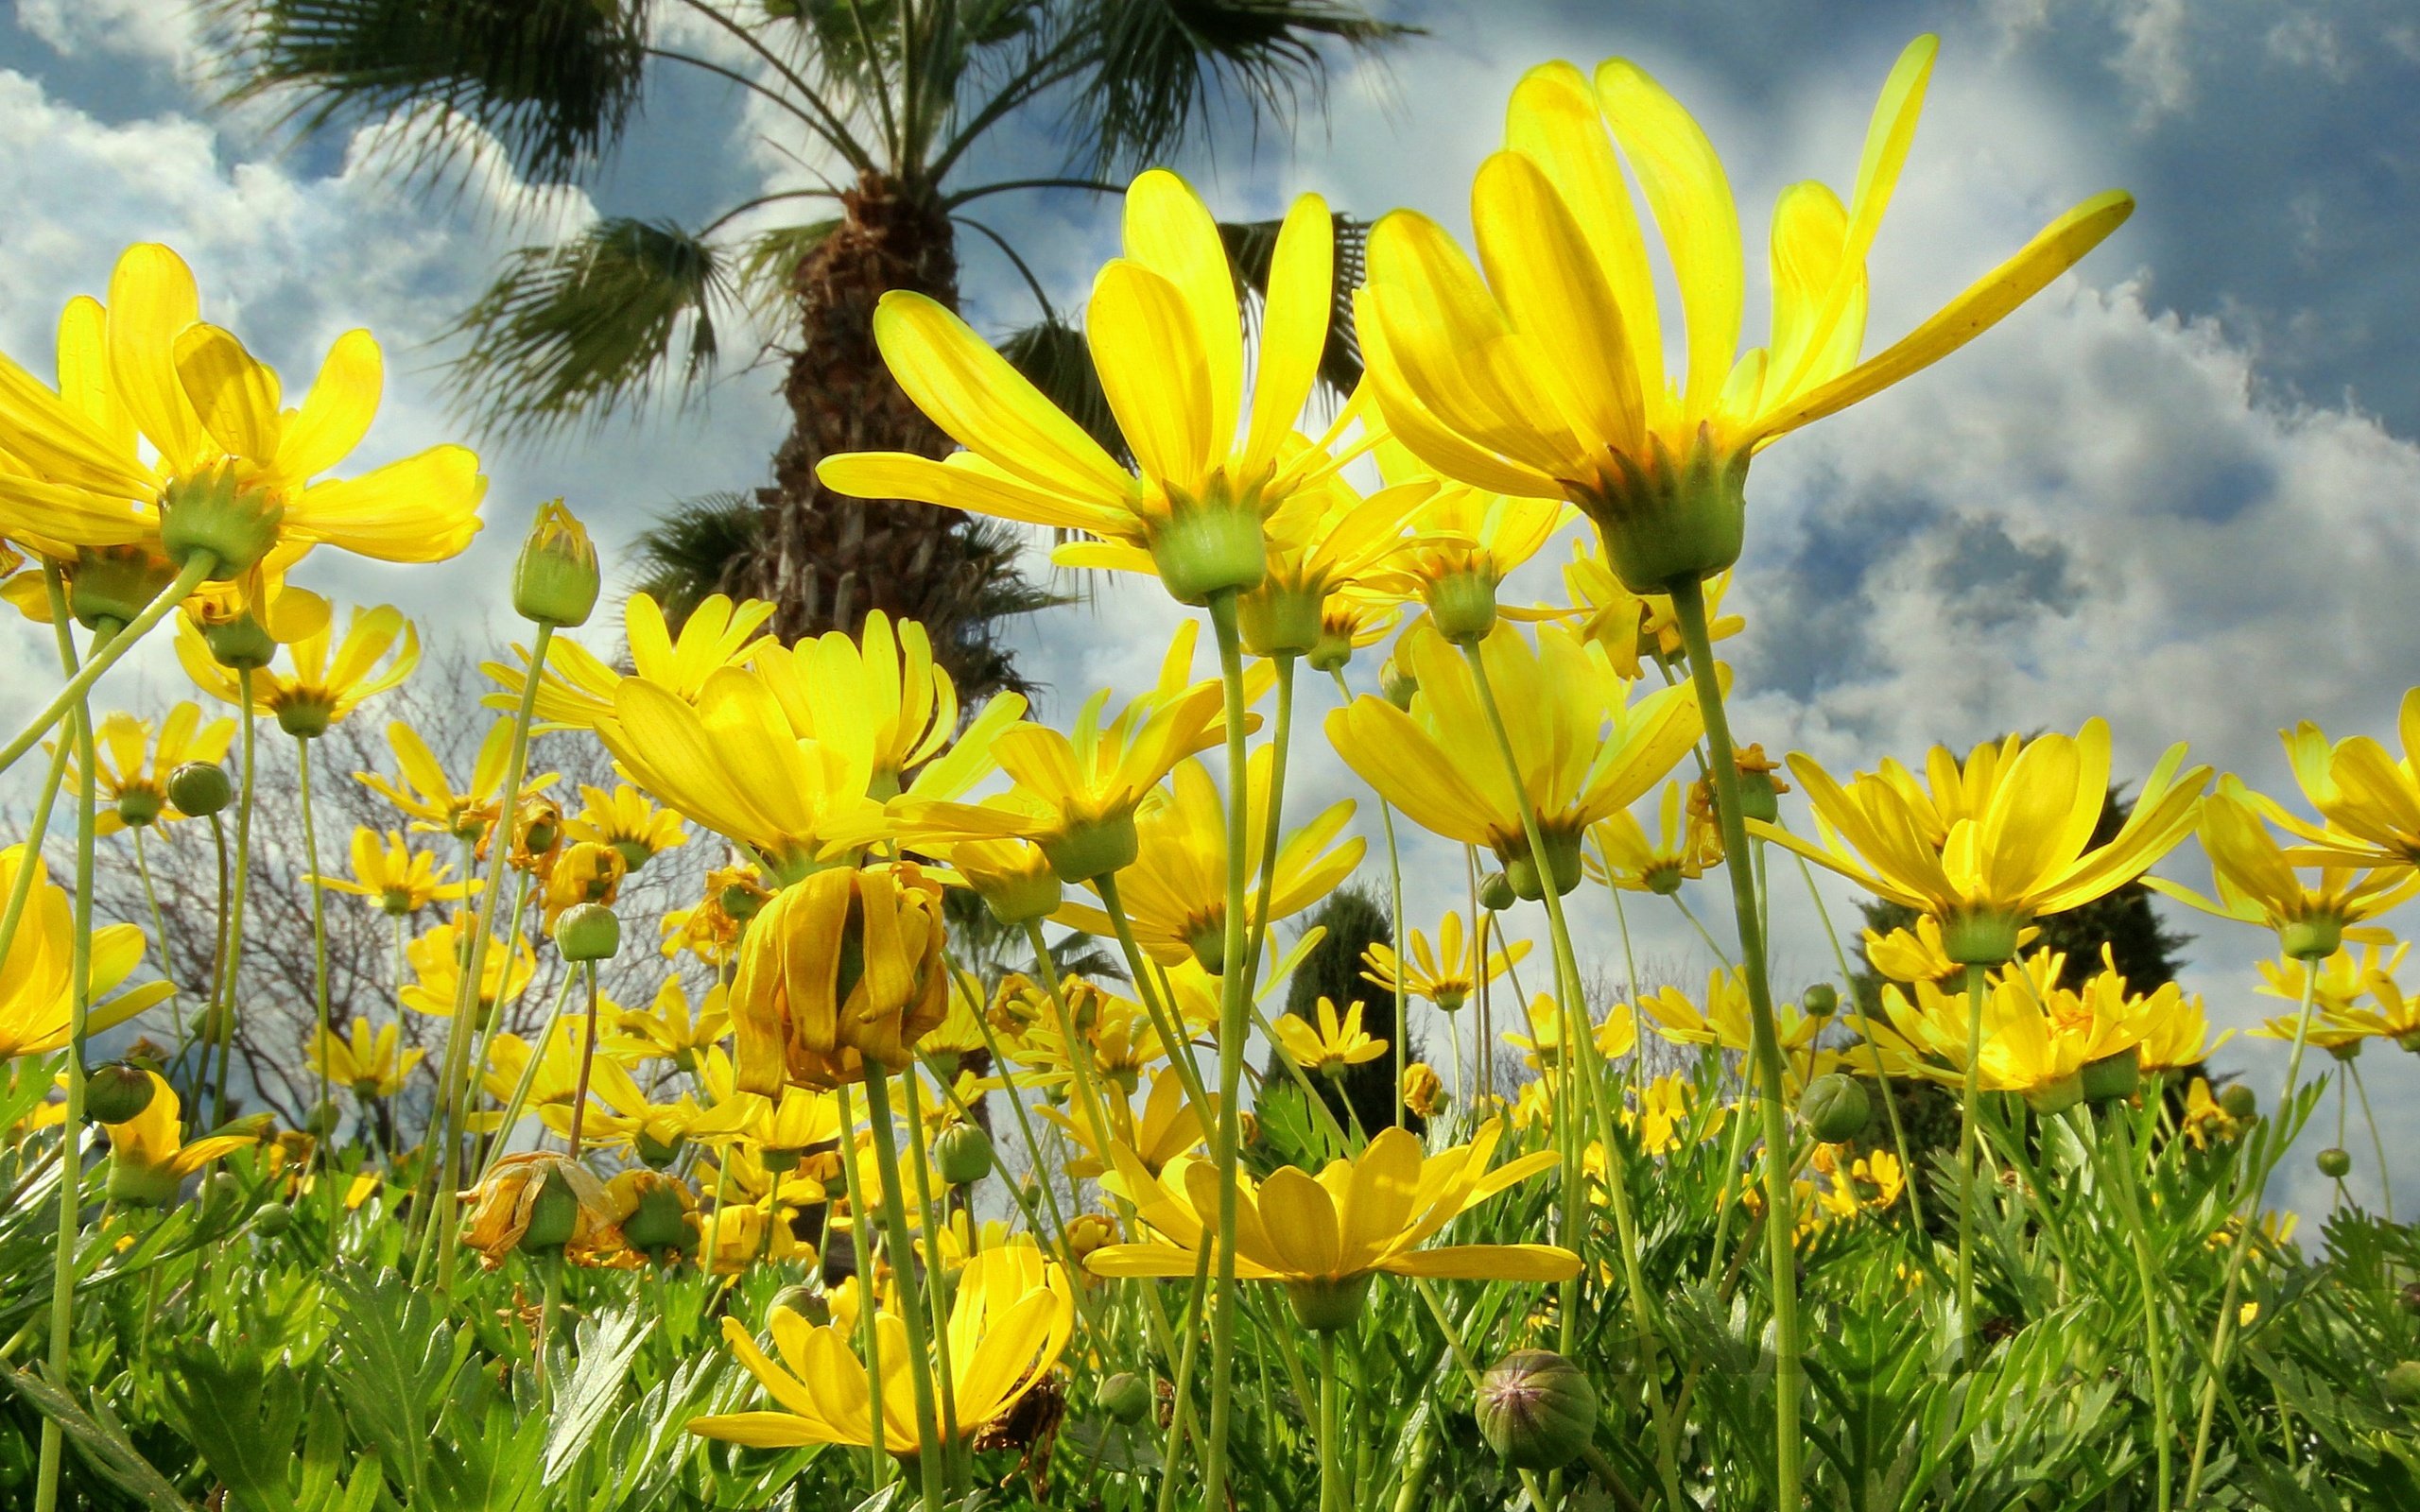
{"x":167,"y":31}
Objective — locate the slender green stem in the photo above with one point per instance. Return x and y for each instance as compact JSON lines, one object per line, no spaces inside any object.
{"x":319,"y":920}
{"x":862,"y":1252}
{"x":587,"y":973}
{"x":1166,"y":1018}
{"x":1234,"y":989}
{"x":1584,"y":1071}
{"x":465,"y":1020}
{"x":1968,"y":1086}
{"x":528,"y":1079}
{"x":223,"y":1014}
{"x":159,"y":934}
{"x":1273,"y":828}
{"x":2386,"y":1177}
{"x":1331,"y":1462}
{"x":70,"y":1171}
{"x":2268,"y":1148}
{"x":552,"y":1263}
{"x":1181,"y":1382}
{"x":1907,"y":1173}
{"x":1395,"y":901}
{"x":937,"y":1293}
{"x":106,"y":650}
{"x":21,"y":887}
{"x":1688,"y":605}
{"x":2146,"y":1275}
{"x":902,"y":1265}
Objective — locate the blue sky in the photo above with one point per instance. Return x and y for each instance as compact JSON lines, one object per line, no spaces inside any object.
{"x":2181,"y":491}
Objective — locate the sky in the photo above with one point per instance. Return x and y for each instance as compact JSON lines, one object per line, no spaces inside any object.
{"x":2180,"y":490}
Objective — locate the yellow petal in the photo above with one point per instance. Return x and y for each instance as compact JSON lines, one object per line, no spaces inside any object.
{"x":236,"y":397}
{"x":1490,"y":1262}
{"x":336,"y":413}
{"x":1169,"y":231}
{"x":968,"y":483}
{"x":1540,"y":266}
{"x":152,"y":300}
{"x":425,"y":507}
{"x":1294,"y":328}
{"x":1158,"y":381}
{"x":1301,"y":1222}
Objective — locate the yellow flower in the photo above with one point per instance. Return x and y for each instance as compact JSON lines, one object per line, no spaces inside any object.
{"x":436,"y":958}
{"x":2394,"y":1015}
{"x":1167,"y":342}
{"x":1684,"y":845}
{"x":1465,"y":543}
{"x":626,"y":821}
{"x":1331,"y":1047}
{"x":36,"y":985}
{"x":1631,"y":626}
{"x":400,"y":880}
{"x":1724,"y":1021}
{"x":1917,"y":954}
{"x":2204,"y":1120}
{"x":738,"y":1235}
{"x":131,"y":771}
{"x":1663,"y":1112}
{"x":1584,"y":749}
{"x":1115,"y":1032}
{"x":1446,"y":975}
{"x":2257,"y":882}
{"x":1548,"y":380}
{"x":575,"y":692}
{"x":1325,"y":1236}
{"x":666,"y":1030}
{"x":1174,"y":892}
{"x":2370,"y":799}
{"x":838,"y":977}
{"x":539,"y":1200}
{"x":148,"y":1155}
{"x":215,"y":416}
{"x":1010,"y":1315}
{"x":710,"y":931}
{"x":366,"y":1060}
{"x":319,"y":690}
{"x":2038,"y":1036}
{"x":1997,"y":840}
{"x":587,"y":872}
{"x":886,"y":682}
{"x":1541,"y":1047}
{"x":422,"y":789}
{"x":1423,"y":1090}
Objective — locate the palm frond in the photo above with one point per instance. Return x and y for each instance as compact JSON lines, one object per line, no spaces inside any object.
{"x":768,"y":261}
{"x":574,"y":329}
{"x":1165,"y":65}
{"x":552,"y":81}
{"x":697,"y":548}
{"x":1252,"y":245}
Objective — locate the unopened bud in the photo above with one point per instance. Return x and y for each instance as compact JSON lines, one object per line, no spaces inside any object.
{"x":556,"y":581}
{"x":1124,"y":1396}
{"x":201,"y":788}
{"x":2237,"y":1100}
{"x":2335,"y":1165}
{"x":1536,"y":1410}
{"x":962,"y":1154}
{"x":1834,"y":1108}
{"x":1820,"y":1000}
{"x":588,"y":932}
{"x":116,"y":1092}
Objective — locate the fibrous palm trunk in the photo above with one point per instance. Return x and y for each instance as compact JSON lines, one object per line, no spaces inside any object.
{"x":826,"y":559}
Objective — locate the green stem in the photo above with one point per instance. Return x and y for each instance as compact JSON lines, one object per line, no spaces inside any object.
{"x":2386,"y":1180}
{"x":2267,"y":1148}
{"x":106,"y":650}
{"x":2147,"y":1276}
{"x":587,"y":1059}
{"x":552,"y":1262}
{"x":1234,"y":988}
{"x":1394,"y":900}
{"x":902,"y":1265}
{"x":319,"y":927}
{"x":1865,"y":1028}
{"x":937,"y":1293}
{"x":862,"y":1252}
{"x":1166,"y":1020}
{"x":223,"y":1013}
{"x":159,"y":936}
{"x":1584,"y":1071}
{"x":465,"y":1020}
{"x":71,"y":1172}
{"x":1331,"y":1462}
{"x":1272,"y":828}
{"x":529,"y":1078}
{"x":1968,"y":1086}
{"x":1688,"y":605}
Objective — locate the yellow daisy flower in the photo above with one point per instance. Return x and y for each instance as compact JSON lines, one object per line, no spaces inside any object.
{"x":624,"y":819}
{"x":150,"y":1157}
{"x":422,"y":789}
{"x":1331,"y":1045}
{"x":369,"y":1060}
{"x":1686,"y":842}
{"x":130,"y":769}
{"x":36,"y":986}
{"x":1446,"y":975}
{"x":320,"y":688}
{"x":436,"y":958}
{"x":2257,"y":882}
{"x":577,"y":689}
{"x":400,"y":880}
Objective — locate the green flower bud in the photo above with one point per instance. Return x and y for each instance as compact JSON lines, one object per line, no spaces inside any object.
{"x":554,"y":1217}
{"x":321,"y":1121}
{"x":201,"y":788}
{"x":555,"y":581}
{"x":1536,"y":1410}
{"x":2335,"y":1165}
{"x":588,"y":932}
{"x":116,"y":1092}
{"x":2237,"y":1100}
{"x":114,"y":584}
{"x":1759,"y":797}
{"x":1124,"y":1396}
{"x":805,"y":1301}
{"x":962,"y":1154}
{"x":271,"y":1219}
{"x":1495,"y":892}
{"x":1834,"y":1108}
{"x":2402,"y":1382}
{"x":212,"y":510}
{"x":1820,"y":1000}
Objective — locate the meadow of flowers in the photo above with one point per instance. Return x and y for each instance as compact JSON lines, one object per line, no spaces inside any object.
{"x":964,"y":1152}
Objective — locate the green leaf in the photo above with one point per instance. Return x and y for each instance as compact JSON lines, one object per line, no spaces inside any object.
{"x":100,"y":1442}
{"x":605,"y":1348}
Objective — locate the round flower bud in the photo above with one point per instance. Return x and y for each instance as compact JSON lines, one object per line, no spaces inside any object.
{"x":2402,"y":1382}
{"x":588,"y":932}
{"x":1124,"y":1396}
{"x":201,"y":788}
{"x":321,"y":1121}
{"x":1820,"y":1000}
{"x":271,"y":1219}
{"x":1495,"y":892}
{"x":2112,"y":1077}
{"x":2335,"y":1165}
{"x":1536,"y":1410}
{"x":805,"y":1301}
{"x":1834,"y":1108}
{"x":2237,"y":1100}
{"x":555,"y":581}
{"x":962,"y":1154}
{"x":219,"y":1191}
{"x":1759,"y":797}
{"x":116,"y":1092}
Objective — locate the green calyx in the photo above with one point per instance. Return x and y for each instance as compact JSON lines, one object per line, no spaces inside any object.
{"x":2113,"y":1077}
{"x":1211,"y":545}
{"x":305,"y":718}
{"x":1028,"y":897}
{"x":1668,"y":519}
{"x":138,"y":806}
{"x":1326,"y":1304}
{"x":212,"y":511}
{"x":114,"y":584}
{"x":1461,"y":604}
{"x":2312,"y":939}
{"x":1981,"y":938}
{"x":1522,"y":871}
{"x":1093,"y":848}
{"x":1280,"y":618}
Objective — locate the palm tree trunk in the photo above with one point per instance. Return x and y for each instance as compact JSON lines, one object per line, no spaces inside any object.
{"x":826,"y":559}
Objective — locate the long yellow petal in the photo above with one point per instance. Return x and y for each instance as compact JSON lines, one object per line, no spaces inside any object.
{"x":1540,"y":266}
{"x":1158,"y":381}
{"x":336,"y":413}
{"x":236,"y":397}
{"x":1488,"y":1263}
{"x":152,"y":300}
{"x":1169,"y":231}
{"x":425,"y":507}
{"x":1294,"y":328}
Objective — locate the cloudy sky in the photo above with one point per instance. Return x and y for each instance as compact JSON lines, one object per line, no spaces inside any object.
{"x":2181,"y":490}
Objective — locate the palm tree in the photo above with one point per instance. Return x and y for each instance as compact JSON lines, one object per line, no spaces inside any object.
{"x":894,"y":95}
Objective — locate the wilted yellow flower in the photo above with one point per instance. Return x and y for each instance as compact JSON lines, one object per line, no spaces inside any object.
{"x":1167,"y":339}
{"x":1570,"y":397}
{"x":589,"y":872}
{"x":539,"y":1200}
{"x":710,"y":930}
{"x":1010,"y":1315}
{"x":1996,"y":840}
{"x":1423,"y":1090}
{"x":2204,"y":1120}
{"x":148,"y":1155}
{"x":319,"y":690}
{"x":400,"y":880}
{"x":839,"y":970}
{"x":1446,"y":975}
{"x":1584,"y":749}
